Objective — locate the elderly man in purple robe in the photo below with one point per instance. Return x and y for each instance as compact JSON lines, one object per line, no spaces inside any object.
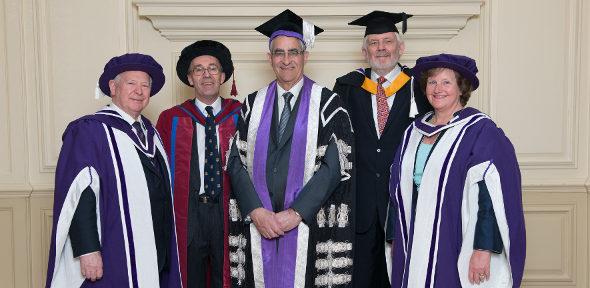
{"x":455,"y":184}
{"x":113,"y":223}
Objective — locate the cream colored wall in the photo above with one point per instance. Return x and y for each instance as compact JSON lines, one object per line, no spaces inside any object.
{"x":534,"y":65}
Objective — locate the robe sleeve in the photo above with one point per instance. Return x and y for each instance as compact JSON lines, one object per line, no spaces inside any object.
{"x":487,"y":233}
{"x":503,"y":181}
{"x":241,"y":182}
{"x":83,"y":230}
{"x":163,"y":126}
{"x":321,"y":185}
{"x":340,"y":89}
{"x":390,"y":223}
{"x":78,"y":169}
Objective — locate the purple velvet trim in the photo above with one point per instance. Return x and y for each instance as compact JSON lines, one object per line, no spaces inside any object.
{"x":261,"y":147}
{"x":397,"y":189}
{"x":423,"y":125}
{"x":113,"y":119}
{"x":409,"y":253}
{"x":472,"y":149}
{"x":85,"y":145}
{"x":284,"y":33}
{"x":125,"y":209}
{"x":279,"y":258}
{"x":259,"y":177}
{"x":445,"y":167}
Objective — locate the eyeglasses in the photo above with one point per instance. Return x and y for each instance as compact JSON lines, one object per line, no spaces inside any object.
{"x":375,"y":42}
{"x":200,"y":70}
{"x":282,"y":53}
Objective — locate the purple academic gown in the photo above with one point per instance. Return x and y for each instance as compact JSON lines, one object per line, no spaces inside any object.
{"x":100,"y":151}
{"x":433,"y":248}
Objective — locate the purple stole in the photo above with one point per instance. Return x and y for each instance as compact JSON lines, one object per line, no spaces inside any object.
{"x":279,"y":263}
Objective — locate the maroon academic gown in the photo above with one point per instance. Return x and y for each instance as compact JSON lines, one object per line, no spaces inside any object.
{"x":176,"y":128}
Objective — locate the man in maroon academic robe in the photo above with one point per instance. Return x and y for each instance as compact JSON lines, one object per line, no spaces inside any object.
{"x":196,"y":136}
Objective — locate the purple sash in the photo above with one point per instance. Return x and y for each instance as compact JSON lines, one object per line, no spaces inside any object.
{"x":279,"y":257}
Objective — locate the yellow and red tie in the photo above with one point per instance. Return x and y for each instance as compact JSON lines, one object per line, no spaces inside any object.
{"x":382,"y":107}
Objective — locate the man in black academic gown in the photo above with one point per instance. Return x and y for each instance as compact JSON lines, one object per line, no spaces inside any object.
{"x":290,"y":168}
{"x":382,"y":104}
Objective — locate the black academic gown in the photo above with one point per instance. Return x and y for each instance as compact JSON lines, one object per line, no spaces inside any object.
{"x":374,"y":156}
{"x":312,"y":195}
{"x":326,"y":188}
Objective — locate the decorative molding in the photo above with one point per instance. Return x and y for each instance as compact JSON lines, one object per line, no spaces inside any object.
{"x":323,"y":57}
{"x":566,"y":158}
{"x":583,"y":189}
{"x":44,"y":91}
{"x":46,"y":229}
{"x":15,"y":191}
{"x":566,"y":214}
{"x":12,"y":100}
{"x":187,"y":20}
{"x":8,"y":211}
{"x":41,"y":219}
{"x":5,"y":131}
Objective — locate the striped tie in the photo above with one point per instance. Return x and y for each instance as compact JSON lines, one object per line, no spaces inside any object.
{"x":139,"y":132}
{"x":382,"y":107}
{"x":285,"y":114}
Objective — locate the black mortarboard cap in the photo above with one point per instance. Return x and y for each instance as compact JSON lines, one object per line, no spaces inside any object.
{"x":200,"y":48}
{"x":289,"y":24}
{"x":378,"y":22}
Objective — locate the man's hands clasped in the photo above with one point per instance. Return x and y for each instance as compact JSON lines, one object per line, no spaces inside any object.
{"x":272,"y":225}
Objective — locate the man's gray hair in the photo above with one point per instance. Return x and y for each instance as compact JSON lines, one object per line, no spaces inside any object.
{"x":397,"y":37}
{"x":117,"y":78}
{"x":301,"y":44}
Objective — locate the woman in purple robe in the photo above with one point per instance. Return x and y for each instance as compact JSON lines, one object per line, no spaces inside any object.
{"x":455,"y":186}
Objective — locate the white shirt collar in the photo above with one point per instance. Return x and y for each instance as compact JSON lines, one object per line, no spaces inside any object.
{"x":216,"y":106}
{"x":123,"y":114}
{"x":294,"y":90}
{"x":389,"y":76}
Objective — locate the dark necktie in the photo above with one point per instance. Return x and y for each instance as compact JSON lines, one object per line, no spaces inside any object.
{"x":139,"y":131}
{"x":212,"y":169}
{"x":382,"y":106}
{"x":285,"y":114}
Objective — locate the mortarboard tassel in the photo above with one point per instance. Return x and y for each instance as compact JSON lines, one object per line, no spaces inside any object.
{"x":308,"y":33}
{"x":98,"y":93}
{"x":413,"y":106}
{"x":404,"y":23}
{"x":234,"y":90}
